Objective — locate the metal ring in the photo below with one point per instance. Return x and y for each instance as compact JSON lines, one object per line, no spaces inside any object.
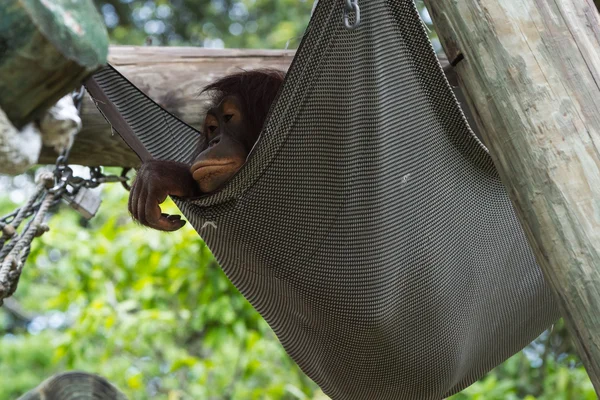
{"x":356,"y":9}
{"x":77,"y":96}
{"x":125,"y":182}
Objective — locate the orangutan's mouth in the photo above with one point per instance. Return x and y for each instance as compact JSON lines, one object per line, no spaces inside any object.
{"x":205,"y":169}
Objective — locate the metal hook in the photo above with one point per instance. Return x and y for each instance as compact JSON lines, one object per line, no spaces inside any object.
{"x":351,"y":7}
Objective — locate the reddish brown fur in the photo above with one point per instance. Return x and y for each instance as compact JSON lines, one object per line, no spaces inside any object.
{"x":257,"y":90}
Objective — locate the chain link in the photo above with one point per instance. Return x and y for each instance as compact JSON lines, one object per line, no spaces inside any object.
{"x":78,"y":96}
{"x":351,"y":7}
{"x":51,"y":187}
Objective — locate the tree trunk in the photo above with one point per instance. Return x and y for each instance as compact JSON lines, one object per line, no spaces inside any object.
{"x":531,"y":72}
{"x":46,"y":49}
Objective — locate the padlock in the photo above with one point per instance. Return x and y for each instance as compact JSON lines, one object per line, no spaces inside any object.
{"x":85,"y":201}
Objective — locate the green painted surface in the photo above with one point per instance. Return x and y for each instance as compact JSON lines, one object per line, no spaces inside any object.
{"x":74,"y":27}
{"x":46,"y":48}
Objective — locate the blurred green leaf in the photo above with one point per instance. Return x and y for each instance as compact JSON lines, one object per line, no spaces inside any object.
{"x":152,"y":312}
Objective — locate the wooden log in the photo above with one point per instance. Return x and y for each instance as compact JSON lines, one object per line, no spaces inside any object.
{"x":46,"y":49}
{"x":173,"y":77}
{"x":531,"y":72}
{"x":74,"y":386}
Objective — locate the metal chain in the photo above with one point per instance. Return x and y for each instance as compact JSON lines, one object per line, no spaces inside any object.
{"x":78,"y":96}
{"x":96,"y":178}
{"x":351,"y":7}
{"x":51,"y":187}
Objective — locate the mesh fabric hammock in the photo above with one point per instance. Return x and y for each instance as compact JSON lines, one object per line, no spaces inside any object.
{"x":369,"y":226}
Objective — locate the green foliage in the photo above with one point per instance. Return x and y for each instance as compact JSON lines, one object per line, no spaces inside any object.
{"x":26,"y":360}
{"x":259,"y":24}
{"x":218,"y":23}
{"x":519,"y":378}
{"x":150,"y":311}
{"x":154,"y":314}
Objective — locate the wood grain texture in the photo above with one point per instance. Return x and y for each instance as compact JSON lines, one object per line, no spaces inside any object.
{"x":532,"y":76}
{"x":173,"y":77}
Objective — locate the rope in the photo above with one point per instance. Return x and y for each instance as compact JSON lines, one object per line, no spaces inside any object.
{"x":15,"y":252}
{"x":51,"y":188}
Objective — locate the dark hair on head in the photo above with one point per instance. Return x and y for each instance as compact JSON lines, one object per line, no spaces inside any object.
{"x":256,"y":89}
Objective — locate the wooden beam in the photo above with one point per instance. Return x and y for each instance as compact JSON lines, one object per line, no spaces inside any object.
{"x":173,"y":77}
{"x":531,"y":72}
{"x":46,"y":49}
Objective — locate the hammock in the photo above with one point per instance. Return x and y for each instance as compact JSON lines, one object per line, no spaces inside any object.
{"x":369,"y":226}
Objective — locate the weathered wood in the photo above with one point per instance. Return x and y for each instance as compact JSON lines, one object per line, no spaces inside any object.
{"x":532,"y":74}
{"x":46,"y":49}
{"x":74,"y":386}
{"x":172,"y":76}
